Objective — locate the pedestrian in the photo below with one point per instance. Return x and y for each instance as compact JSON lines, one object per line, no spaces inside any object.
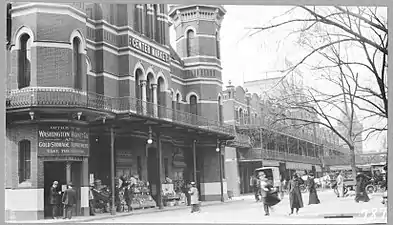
{"x":54,"y":199}
{"x":295,"y":196}
{"x":254,"y":182}
{"x":264,"y":192}
{"x":69,"y":201}
{"x":340,"y":185}
{"x":91,"y":201}
{"x":361,"y":193}
{"x":194,"y":197}
{"x":313,"y":197}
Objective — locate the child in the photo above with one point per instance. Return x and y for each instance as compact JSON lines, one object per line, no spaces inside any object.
{"x":194,"y":198}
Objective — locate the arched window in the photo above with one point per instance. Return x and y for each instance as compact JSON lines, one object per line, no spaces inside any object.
{"x":178,"y":101}
{"x":155,"y":28}
{"x":24,"y":163}
{"x":190,"y":43}
{"x":24,"y":58}
{"x":193,"y":105}
{"x":217,"y":46}
{"x":146,"y":24}
{"x":241,"y":116}
{"x":138,"y":18}
{"x":76,"y":63}
{"x":194,"y":109}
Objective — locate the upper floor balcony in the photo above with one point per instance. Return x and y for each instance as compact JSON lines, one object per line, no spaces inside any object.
{"x":250,"y":122}
{"x":71,"y":98}
{"x":266,"y":154}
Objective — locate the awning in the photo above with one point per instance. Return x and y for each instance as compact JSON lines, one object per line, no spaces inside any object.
{"x":270,"y":163}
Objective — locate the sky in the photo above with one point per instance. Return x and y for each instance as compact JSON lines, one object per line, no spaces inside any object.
{"x":246,"y":58}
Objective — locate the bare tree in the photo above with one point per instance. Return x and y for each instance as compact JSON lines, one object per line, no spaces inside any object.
{"x":321,"y":108}
{"x":363,"y":29}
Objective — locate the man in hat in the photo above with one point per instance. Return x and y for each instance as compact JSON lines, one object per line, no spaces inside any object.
{"x":69,"y":201}
{"x":194,"y":197}
{"x":54,"y":199}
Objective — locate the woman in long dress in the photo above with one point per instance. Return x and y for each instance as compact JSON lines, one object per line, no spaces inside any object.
{"x":313,"y":197}
{"x":295,"y":196}
{"x":361,"y":193}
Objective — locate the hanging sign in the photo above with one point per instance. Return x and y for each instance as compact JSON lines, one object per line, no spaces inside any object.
{"x":62,"y":140}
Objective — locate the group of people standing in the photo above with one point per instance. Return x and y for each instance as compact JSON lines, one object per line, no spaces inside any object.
{"x":68,"y":200}
{"x":265,"y":192}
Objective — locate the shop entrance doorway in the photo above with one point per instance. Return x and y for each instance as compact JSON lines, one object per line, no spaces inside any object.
{"x":53,"y":171}
{"x":63,"y":172}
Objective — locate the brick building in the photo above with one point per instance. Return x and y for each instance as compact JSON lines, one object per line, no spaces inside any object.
{"x":260,"y":143}
{"x":95,"y":91}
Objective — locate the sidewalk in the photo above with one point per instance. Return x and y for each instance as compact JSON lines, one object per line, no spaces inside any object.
{"x":136,"y":212}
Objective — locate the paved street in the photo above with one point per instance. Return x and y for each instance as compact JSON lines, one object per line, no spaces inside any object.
{"x":248,"y":211}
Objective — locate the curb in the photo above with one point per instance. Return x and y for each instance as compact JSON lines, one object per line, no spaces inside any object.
{"x":156,"y":210}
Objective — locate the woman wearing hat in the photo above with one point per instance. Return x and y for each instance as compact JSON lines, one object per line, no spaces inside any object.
{"x":194,"y":193}
{"x":295,"y":196}
{"x":313,"y":197}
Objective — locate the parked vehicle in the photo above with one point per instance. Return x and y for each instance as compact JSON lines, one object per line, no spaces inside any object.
{"x":272,"y":174}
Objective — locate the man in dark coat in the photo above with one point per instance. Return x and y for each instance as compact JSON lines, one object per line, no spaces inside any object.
{"x":54,"y":199}
{"x":69,"y":201}
{"x":361,"y":193}
{"x":313,"y":197}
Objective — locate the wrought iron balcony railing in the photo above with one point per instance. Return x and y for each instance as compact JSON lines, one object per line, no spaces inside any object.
{"x":276,"y":155}
{"x":247,"y":122}
{"x":65,"y":97}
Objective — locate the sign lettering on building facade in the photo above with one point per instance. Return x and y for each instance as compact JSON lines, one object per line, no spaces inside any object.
{"x":59,"y":140}
{"x":148,"y":49}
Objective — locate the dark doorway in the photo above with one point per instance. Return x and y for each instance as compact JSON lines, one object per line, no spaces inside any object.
{"x":53,"y":171}
{"x":152,"y":171}
{"x":76,"y":179}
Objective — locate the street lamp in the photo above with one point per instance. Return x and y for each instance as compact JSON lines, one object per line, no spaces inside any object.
{"x":218,"y":150}
{"x":150,"y":136}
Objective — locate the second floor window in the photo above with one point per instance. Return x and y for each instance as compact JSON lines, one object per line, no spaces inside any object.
{"x":24,"y":61}
{"x":76,"y":63}
{"x":190,"y":43}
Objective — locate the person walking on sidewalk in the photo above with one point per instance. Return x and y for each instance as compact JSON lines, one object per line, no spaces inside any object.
{"x":69,"y":201}
{"x":54,"y":199}
{"x":313,"y":197}
{"x":91,"y":201}
{"x":254,"y":183}
{"x":295,"y":196}
{"x":264,"y":192}
{"x":340,"y":185}
{"x":194,"y":197}
{"x":361,"y":193}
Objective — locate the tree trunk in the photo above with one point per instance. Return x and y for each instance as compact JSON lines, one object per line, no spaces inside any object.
{"x":352,"y":160}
